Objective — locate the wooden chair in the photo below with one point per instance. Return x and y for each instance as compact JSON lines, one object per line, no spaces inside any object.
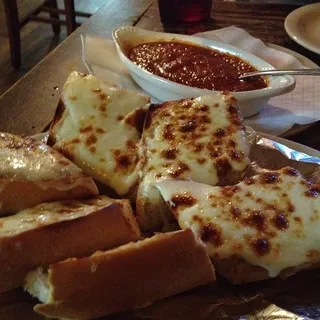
{"x":15,"y":22}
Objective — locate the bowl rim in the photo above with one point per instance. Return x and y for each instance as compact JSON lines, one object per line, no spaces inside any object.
{"x":270,"y":91}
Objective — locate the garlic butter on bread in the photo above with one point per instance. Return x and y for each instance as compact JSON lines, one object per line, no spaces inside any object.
{"x":31,"y":172}
{"x":54,"y":231}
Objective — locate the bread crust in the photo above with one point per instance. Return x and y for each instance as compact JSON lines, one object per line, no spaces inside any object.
{"x":17,"y":195}
{"x":111,"y":226}
{"x":127,"y":277}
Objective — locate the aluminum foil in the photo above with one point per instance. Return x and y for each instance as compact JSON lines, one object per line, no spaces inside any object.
{"x":297,"y":297}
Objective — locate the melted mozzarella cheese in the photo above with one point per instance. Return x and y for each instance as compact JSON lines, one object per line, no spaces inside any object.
{"x":201,"y":139}
{"x":23,"y":158}
{"x":98,"y":130}
{"x":46,"y":214}
{"x":271,"y":220}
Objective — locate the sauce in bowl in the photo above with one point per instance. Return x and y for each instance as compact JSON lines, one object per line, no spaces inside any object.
{"x":196,"y":66}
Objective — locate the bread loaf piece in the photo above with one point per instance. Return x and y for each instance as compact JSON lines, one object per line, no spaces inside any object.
{"x":201,"y":139}
{"x":32,"y":173}
{"x":51,"y":232}
{"x":130,"y":276}
{"x":97,"y":126}
{"x":266,"y":226}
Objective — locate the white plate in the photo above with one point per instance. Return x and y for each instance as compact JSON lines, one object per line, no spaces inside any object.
{"x":302,"y":59}
{"x":303,"y":26}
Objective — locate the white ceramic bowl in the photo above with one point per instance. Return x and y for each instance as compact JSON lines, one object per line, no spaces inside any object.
{"x":250,"y":102}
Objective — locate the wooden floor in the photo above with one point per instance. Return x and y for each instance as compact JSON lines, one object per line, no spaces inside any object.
{"x":37,"y":40}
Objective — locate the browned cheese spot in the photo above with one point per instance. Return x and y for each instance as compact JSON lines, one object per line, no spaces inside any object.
{"x":103,"y":96}
{"x":182,"y":167}
{"x":86,"y":129}
{"x":280,"y":221}
{"x":201,"y":160}
{"x":291,"y":207}
{"x":1,"y":224}
{"x":211,"y":233}
{"x":215,"y":153}
{"x":223,"y":167}
{"x":298,"y":220}
{"x":92,"y":149}
{"x":270,"y":177}
{"x":168,"y":132}
{"x":131,"y":145}
{"x":184,"y":199}
{"x":235,"y":212}
{"x":204,"y":108}
{"x":102,"y":160}
{"x":236,"y":156}
{"x":249,"y":194}
{"x":256,"y":219}
{"x":96,"y":90}
{"x":198,"y":147}
{"x":216,"y":105}
{"x":120,"y":118}
{"x":169,"y":154}
{"x":229,"y":191}
{"x":234,"y":115}
{"x":158,"y":175}
{"x":313,"y":192}
{"x":75,"y":140}
{"x":232,"y":143}
{"x":100,"y":130}
{"x":91,"y":139}
{"x":260,"y":246}
{"x":197,"y":218}
{"x":220,"y":133}
{"x":188,"y":127}
{"x":205,"y":119}
{"x":290,"y":171}
{"x":103,"y":107}
{"x":73,"y":98}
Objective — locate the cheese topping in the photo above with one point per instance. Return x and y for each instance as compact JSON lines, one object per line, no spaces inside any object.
{"x":201,"y":139}
{"x":99,"y":130}
{"x":23,"y":158}
{"x":50,"y":213}
{"x":271,"y":220}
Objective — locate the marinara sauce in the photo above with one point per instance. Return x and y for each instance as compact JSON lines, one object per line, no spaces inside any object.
{"x":196,"y":66}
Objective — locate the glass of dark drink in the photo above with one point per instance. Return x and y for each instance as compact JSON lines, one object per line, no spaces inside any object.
{"x":186,"y":11}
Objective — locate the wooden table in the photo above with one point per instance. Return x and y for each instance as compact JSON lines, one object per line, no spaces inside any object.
{"x":29,"y":105}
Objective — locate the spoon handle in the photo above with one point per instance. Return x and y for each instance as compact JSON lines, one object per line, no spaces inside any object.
{"x":311,"y":72}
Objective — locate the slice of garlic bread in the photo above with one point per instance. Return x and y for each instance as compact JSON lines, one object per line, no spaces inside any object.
{"x":201,"y":139}
{"x":98,"y":126}
{"x":265,"y":226}
{"x":130,"y":276}
{"x":31,"y":173}
{"x":54,"y":231}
